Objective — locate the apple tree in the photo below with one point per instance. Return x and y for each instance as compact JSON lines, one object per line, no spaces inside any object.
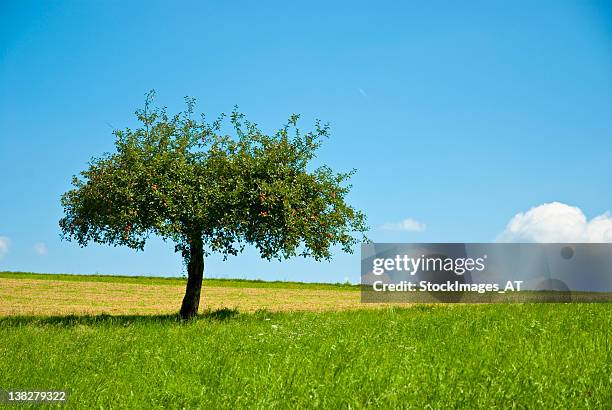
{"x":182,"y":178}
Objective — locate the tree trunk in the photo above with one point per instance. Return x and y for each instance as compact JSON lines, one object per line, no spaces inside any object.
{"x":195,"y":274}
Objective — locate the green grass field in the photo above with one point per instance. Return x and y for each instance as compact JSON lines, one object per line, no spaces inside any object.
{"x":466,"y":356}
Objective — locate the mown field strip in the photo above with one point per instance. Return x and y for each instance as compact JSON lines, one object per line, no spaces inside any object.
{"x":51,"y":297}
{"x":178,"y":281}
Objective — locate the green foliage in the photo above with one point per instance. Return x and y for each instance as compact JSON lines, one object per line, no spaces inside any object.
{"x":181,"y":178}
{"x":476,"y":356}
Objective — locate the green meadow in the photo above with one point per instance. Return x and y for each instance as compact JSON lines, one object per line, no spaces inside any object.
{"x":424,"y":356}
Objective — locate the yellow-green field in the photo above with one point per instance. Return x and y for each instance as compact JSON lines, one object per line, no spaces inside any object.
{"x":31,"y":294}
{"x":50,"y":297}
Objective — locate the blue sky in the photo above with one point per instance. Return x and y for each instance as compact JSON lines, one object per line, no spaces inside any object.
{"x":457,"y":116}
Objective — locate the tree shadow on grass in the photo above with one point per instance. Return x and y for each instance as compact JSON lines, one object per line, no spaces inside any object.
{"x":219,"y":315}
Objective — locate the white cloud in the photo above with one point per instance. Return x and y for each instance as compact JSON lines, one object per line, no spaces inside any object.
{"x":557,"y":222}
{"x":407,"y":224}
{"x":4,"y":245}
{"x":40,"y":248}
